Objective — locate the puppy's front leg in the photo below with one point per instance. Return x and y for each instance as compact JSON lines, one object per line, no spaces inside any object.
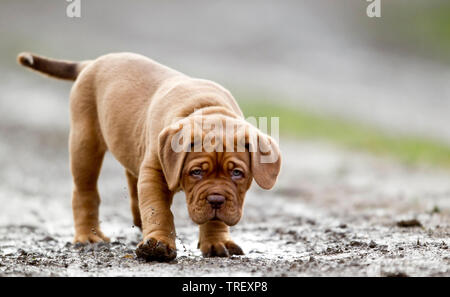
{"x":215,"y":240}
{"x":158,"y":228}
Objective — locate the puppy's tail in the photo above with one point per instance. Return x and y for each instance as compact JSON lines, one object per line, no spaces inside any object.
{"x":54,"y":68}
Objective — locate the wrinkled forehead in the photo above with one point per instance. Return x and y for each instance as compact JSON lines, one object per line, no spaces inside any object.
{"x":216,"y":134}
{"x":218,"y":159}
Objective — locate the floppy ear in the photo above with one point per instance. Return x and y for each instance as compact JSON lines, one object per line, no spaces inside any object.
{"x":265,"y":160}
{"x":173,"y":144}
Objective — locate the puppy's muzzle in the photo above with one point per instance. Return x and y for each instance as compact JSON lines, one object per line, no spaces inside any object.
{"x":216,"y":201}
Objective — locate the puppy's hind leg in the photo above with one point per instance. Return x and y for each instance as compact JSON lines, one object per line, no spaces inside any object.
{"x":132,"y":187}
{"x":86,"y":156}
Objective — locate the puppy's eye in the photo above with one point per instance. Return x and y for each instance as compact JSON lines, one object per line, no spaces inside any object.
{"x":236,"y":173}
{"x":196,"y":173}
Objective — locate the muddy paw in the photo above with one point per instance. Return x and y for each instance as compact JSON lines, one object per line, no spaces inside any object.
{"x":220,"y":249}
{"x":154,"y":250}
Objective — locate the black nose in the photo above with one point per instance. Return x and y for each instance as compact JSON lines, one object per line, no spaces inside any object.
{"x":216,"y":201}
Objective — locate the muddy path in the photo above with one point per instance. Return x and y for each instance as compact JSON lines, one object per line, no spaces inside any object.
{"x":333,"y":212}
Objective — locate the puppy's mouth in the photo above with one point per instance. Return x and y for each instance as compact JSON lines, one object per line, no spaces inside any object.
{"x":215,"y":218}
{"x":216,"y":215}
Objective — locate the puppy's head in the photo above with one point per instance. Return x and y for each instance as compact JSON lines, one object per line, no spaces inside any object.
{"x":215,"y":165}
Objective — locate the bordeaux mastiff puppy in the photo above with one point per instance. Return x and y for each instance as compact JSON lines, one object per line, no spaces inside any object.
{"x":167,"y":130}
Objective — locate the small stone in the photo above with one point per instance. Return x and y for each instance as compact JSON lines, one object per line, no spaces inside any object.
{"x":409,"y":223}
{"x":356,"y":243}
{"x":48,"y":239}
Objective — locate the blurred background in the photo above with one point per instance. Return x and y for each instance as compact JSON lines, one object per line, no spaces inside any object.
{"x":326,"y":59}
{"x":333,"y":75}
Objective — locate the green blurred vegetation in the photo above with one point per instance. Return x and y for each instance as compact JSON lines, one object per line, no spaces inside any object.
{"x":301,"y":124}
{"x":434,"y":23}
{"x":421,"y":27}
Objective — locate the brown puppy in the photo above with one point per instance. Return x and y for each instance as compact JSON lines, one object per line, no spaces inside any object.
{"x":137,"y":109}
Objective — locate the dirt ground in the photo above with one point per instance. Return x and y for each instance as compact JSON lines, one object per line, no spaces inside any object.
{"x":333,"y":213}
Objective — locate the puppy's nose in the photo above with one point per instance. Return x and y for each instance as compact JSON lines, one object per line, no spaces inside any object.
{"x":215,"y":200}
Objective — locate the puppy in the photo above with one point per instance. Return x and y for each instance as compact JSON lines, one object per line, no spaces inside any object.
{"x":162,"y":126}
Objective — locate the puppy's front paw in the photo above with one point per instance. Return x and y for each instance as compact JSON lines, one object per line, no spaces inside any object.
{"x":156,"y":250}
{"x":90,"y":237}
{"x":219,"y":248}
